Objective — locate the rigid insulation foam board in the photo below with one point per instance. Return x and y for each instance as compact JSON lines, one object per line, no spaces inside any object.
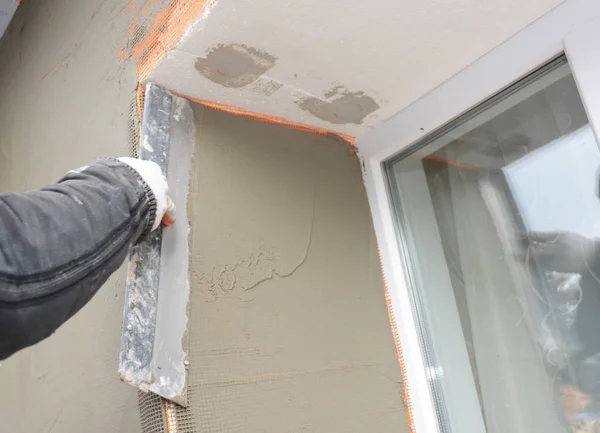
{"x":288,"y":325}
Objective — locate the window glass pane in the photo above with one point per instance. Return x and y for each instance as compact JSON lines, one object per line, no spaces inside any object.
{"x":499,"y":225}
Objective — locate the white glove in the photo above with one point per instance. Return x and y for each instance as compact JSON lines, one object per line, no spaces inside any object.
{"x":152,"y":175}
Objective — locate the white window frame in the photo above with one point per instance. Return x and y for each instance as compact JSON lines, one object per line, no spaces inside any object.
{"x":572,"y":28}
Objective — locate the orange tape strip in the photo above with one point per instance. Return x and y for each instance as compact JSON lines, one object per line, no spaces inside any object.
{"x":167,"y":27}
{"x":270,"y":118}
{"x":170,"y":416}
{"x":399,"y":353}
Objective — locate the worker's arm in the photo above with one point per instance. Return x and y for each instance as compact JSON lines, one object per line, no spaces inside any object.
{"x":59,"y":245}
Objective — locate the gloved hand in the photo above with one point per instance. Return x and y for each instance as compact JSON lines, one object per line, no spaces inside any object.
{"x":564,"y":252}
{"x":152,"y":175}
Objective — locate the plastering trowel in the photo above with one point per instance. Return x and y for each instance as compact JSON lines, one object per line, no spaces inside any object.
{"x":153,"y":344}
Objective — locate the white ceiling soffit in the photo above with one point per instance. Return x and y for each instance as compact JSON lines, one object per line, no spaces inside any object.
{"x":345,"y":65}
{"x":7,"y":10}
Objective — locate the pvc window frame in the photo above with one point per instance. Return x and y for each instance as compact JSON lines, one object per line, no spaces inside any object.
{"x":572,"y":29}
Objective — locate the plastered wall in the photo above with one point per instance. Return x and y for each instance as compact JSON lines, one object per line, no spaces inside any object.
{"x":67,"y":98}
{"x":288,"y":324}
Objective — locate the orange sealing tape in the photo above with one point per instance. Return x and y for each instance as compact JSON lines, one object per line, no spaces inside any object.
{"x":262,"y":117}
{"x":167,"y":27}
{"x":399,"y":353}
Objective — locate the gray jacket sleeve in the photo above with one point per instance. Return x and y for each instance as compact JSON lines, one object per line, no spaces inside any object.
{"x":59,"y":245}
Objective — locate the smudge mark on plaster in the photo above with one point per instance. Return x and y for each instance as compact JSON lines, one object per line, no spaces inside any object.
{"x":266,"y":87}
{"x":234,"y":65}
{"x":226,"y":281}
{"x":341,"y":107}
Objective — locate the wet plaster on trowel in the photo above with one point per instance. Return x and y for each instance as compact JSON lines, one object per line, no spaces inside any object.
{"x":288,"y":327}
